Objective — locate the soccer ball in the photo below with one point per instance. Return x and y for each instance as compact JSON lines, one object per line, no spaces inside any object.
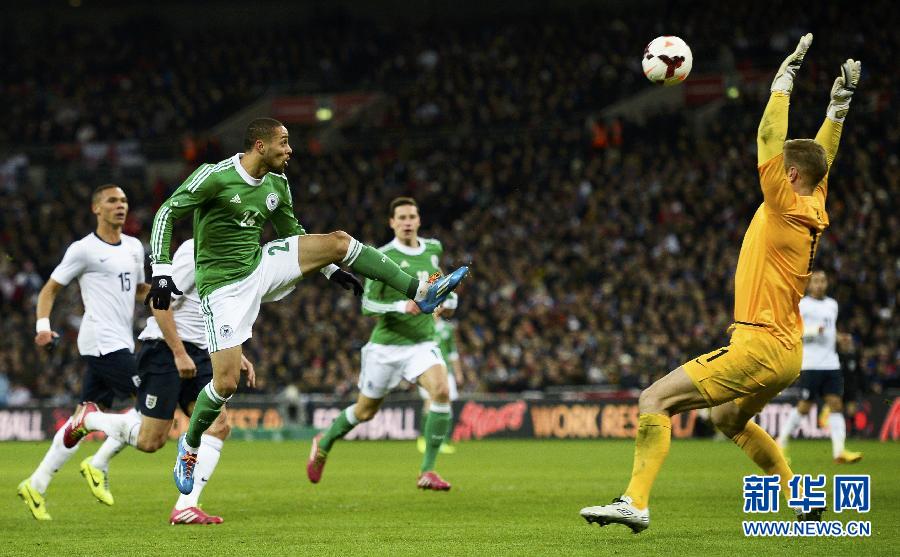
{"x":667,"y":60}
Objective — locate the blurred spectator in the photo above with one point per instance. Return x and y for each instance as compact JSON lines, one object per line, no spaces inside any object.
{"x":4,"y":390}
{"x":603,"y":251}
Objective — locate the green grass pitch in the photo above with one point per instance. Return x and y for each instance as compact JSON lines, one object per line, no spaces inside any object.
{"x":508,"y":498}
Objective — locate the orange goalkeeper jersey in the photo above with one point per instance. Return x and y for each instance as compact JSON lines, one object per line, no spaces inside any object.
{"x":777,"y":254}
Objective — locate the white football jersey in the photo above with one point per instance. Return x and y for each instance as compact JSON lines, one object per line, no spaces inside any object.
{"x":108,"y":275}
{"x":188,"y":317}
{"x":819,"y":348}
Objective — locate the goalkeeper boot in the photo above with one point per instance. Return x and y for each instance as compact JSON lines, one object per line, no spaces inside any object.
{"x":184,"y":468}
{"x":76,"y":430}
{"x":440,"y":288}
{"x":620,"y":511}
{"x":33,"y":500}
{"x":97,"y":480}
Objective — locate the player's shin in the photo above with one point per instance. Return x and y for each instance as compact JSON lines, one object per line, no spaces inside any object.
{"x":110,"y":448}
{"x":838,"y":427}
{"x":787,"y":431}
{"x":207,"y":459}
{"x":207,"y":408}
{"x":763,"y":450}
{"x":651,"y":446}
{"x":437,"y":426}
{"x":341,"y":426}
{"x":56,"y":456}
{"x":372,"y":264}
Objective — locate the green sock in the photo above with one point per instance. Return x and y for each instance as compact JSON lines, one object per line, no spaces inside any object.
{"x":437,"y":426}
{"x":340,"y":427}
{"x":206,"y":410}
{"x":372,"y":264}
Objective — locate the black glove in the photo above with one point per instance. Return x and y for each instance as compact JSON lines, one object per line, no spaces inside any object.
{"x":347,"y":281}
{"x":161,"y":290}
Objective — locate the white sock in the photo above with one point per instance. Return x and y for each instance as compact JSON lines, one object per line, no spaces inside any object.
{"x":350,"y":413}
{"x":111,"y":447}
{"x":838,"y":432}
{"x":56,"y":456}
{"x":789,"y":426}
{"x":207,"y":459}
{"x":422,"y":291}
{"x":124,"y":427}
{"x":353,"y":252}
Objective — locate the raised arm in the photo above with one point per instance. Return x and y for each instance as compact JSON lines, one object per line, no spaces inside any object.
{"x":774,"y":124}
{"x":842,"y":90}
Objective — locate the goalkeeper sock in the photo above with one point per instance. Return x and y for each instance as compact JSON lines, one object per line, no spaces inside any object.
{"x":341,"y":426}
{"x":763,"y":450}
{"x":372,"y":264}
{"x":651,"y":446}
{"x":437,"y":425}
{"x":207,"y":408}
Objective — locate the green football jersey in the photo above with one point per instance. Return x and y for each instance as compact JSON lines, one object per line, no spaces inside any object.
{"x":230,"y":209}
{"x":445,"y":336}
{"x":394,"y":325}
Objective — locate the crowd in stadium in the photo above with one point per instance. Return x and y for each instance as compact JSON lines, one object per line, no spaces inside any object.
{"x":591,"y":265}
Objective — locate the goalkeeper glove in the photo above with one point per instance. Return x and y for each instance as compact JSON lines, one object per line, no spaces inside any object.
{"x":784,"y":79}
{"x":842,"y":90}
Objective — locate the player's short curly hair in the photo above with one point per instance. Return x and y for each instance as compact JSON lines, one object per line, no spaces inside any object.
{"x":808,"y":157}
{"x":260,"y":128}
{"x":401,"y":201}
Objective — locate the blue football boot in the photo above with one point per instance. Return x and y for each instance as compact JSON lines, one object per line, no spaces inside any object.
{"x":440,"y":288}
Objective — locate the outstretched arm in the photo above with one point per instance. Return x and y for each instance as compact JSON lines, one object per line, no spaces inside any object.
{"x":774,"y":124}
{"x":773,"y":127}
{"x":829,"y":135}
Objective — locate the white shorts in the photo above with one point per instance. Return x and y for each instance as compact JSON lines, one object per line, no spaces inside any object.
{"x":384,"y":365}
{"x":451,"y":383}
{"x":229,"y":311}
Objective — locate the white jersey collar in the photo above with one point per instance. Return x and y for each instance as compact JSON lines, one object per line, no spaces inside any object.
{"x":240,"y":169}
{"x":406,"y":250}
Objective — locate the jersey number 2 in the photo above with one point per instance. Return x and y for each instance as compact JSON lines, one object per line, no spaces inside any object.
{"x":276,"y":247}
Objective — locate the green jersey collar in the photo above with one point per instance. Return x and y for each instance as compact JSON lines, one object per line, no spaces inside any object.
{"x":240,"y":170}
{"x":406,"y":250}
